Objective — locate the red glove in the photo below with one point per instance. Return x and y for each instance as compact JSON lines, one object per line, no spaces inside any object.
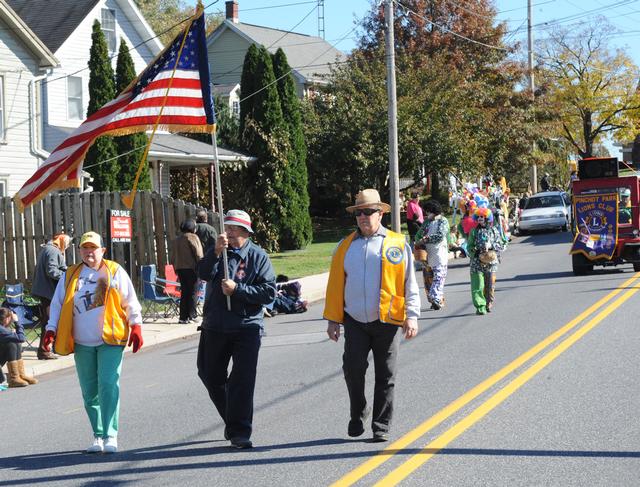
{"x":135,"y":337}
{"x":47,"y":341}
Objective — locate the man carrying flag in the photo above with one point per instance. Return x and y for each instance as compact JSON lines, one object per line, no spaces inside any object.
{"x":173,"y":93}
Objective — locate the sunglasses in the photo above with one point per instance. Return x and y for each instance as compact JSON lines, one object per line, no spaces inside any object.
{"x":366,"y":211}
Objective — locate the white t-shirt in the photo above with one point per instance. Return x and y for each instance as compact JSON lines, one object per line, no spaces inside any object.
{"x":88,"y":303}
{"x":88,"y":306}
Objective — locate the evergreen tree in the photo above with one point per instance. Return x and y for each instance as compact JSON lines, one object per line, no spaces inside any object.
{"x":247,"y":87}
{"x":296,"y":231}
{"x":264,"y":135}
{"x":128,"y":161}
{"x":101,"y":90}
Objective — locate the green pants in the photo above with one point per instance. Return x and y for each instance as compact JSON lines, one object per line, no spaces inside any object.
{"x":483,"y":289}
{"x":99,"y":375}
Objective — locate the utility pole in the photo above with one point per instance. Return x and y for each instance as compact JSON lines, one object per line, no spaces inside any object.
{"x":321,"y":18}
{"x":394,"y":178}
{"x":532,"y":87}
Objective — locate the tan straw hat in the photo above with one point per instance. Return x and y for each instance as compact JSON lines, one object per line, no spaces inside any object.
{"x":368,"y":198}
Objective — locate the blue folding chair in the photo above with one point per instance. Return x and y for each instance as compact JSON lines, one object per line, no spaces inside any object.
{"x":157,"y":302}
{"x":28,"y":314}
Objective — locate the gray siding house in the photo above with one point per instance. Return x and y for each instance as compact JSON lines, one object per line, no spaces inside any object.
{"x":309,"y":57}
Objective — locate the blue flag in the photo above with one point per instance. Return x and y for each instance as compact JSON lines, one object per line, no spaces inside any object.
{"x":596,"y":217}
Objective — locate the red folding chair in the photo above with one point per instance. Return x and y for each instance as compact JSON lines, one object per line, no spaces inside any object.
{"x":171,"y":284}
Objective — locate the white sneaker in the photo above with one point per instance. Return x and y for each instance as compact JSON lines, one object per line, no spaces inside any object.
{"x":111,"y":445}
{"x":97,"y":446}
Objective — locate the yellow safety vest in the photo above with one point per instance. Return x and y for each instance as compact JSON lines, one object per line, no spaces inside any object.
{"x":392,"y":276}
{"x":115,"y":330}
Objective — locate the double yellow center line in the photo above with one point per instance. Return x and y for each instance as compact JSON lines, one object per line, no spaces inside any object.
{"x":456,"y":430}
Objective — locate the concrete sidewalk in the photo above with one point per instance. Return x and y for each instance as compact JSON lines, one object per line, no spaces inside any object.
{"x":163,"y":330}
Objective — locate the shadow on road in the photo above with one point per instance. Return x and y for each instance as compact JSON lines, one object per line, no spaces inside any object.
{"x":42,"y":461}
{"x":546,"y":238}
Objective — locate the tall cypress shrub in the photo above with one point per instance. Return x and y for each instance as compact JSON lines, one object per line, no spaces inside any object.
{"x":101,"y":90}
{"x":296,"y":231}
{"x":128,"y":161}
{"x":247,"y":87}
{"x":264,"y":136}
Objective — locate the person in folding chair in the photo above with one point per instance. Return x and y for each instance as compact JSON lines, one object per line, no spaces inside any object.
{"x":11,"y":350}
{"x":50,"y":267}
{"x":95,"y":313}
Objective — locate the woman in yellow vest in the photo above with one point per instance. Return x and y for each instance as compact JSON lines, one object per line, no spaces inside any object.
{"x":94,"y":314}
{"x":373,"y":292}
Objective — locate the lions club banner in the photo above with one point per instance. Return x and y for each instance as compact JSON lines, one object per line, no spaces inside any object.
{"x":596,"y":217}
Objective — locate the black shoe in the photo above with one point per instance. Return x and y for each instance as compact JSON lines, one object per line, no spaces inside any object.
{"x":435,"y":305}
{"x":356,"y":426}
{"x":184,"y":322}
{"x":46,"y":356}
{"x":241,"y":443}
{"x":380,"y":437}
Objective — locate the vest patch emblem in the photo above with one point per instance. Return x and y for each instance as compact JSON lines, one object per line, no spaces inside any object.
{"x":394,"y":255}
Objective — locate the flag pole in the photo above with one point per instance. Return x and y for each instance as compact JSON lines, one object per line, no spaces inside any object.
{"x":215,"y":167}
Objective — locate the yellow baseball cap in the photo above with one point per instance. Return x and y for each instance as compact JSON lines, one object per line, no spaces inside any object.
{"x":91,"y":238}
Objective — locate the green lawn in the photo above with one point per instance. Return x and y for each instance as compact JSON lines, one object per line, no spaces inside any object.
{"x":316,"y":258}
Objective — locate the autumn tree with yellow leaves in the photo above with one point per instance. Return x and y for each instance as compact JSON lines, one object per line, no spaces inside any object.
{"x":592,"y":88}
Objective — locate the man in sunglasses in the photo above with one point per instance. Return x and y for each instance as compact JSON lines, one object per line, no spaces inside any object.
{"x":373,"y":292}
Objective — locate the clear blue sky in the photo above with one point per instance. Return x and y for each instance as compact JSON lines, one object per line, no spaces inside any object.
{"x":340,"y":14}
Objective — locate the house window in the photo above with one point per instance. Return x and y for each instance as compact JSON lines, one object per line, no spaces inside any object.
{"x":74,"y":98}
{"x":2,"y":114}
{"x":235,"y":108}
{"x":3,"y":187}
{"x":108,"y":23}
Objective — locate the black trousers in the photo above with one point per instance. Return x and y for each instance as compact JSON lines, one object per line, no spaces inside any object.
{"x":232,"y":394}
{"x":9,"y":352}
{"x":384,"y":341}
{"x":188,"y":299}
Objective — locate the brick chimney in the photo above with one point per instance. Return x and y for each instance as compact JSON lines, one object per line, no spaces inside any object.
{"x":232,"y":11}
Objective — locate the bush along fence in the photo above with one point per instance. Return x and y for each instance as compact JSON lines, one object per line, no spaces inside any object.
{"x":156,"y":222}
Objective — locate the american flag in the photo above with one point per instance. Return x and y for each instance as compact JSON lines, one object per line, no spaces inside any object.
{"x":183,"y":97}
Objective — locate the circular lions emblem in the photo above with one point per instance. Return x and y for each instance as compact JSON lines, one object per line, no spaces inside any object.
{"x":394,"y":255}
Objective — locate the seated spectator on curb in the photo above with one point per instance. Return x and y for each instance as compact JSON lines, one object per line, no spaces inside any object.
{"x":11,"y":349}
{"x":288,"y":298}
{"x":456,"y":245}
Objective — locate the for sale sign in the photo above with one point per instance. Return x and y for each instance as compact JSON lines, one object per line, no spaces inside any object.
{"x":121,"y":226}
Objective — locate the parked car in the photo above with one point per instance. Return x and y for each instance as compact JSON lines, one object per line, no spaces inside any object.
{"x":544,"y":211}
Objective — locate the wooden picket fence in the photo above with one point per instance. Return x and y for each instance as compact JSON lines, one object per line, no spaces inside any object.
{"x":156,"y":222}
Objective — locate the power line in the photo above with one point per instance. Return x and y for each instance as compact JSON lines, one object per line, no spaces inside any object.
{"x":445,"y":29}
{"x":286,"y":33}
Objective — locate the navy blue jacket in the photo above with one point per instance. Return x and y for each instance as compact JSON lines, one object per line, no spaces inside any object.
{"x":251,"y":269}
{"x":8,"y":335}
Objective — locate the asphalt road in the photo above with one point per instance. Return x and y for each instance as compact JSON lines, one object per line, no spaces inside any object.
{"x":481,"y":400}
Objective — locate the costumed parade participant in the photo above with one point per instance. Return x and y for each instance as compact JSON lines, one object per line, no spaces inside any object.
{"x":483,"y":246}
{"x":95,"y":313}
{"x":434,"y":237}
